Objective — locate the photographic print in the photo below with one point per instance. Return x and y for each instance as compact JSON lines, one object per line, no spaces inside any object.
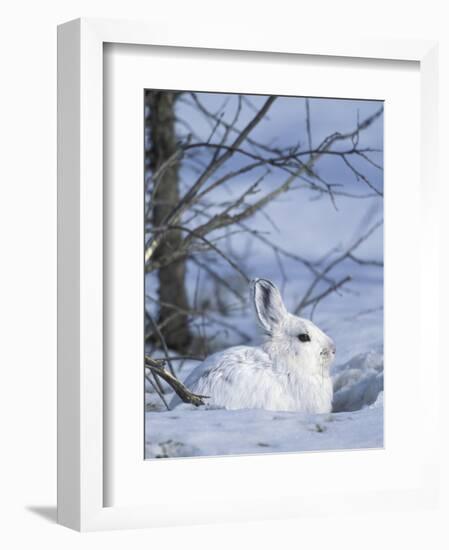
{"x":263,"y":274}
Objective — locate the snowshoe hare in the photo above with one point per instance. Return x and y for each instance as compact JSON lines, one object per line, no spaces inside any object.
{"x":289,"y":372}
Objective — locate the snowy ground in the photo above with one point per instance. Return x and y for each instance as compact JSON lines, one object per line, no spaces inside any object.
{"x":220,"y":432}
{"x":191,"y":431}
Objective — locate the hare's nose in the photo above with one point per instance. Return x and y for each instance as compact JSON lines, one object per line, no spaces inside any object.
{"x":333,"y":348}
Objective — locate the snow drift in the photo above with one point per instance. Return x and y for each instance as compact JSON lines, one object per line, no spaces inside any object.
{"x":355,"y":423}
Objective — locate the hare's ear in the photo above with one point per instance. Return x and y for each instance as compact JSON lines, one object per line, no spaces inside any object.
{"x":270,"y":309}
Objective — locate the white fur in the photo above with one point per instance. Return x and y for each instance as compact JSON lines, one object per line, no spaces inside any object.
{"x":284,"y":374}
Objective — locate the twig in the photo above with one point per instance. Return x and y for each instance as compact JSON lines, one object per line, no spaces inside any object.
{"x":185,"y":202}
{"x":231,"y":127}
{"x":374,"y":263}
{"x":359,"y":176}
{"x":218,"y":278}
{"x":157,"y":366}
{"x":162,"y":340}
{"x":157,"y":389}
{"x":333,"y":263}
{"x":197,"y":235}
{"x":213,"y":319}
{"x":316,"y":299}
{"x":309,"y":133}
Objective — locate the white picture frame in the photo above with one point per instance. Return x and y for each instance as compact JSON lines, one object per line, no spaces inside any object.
{"x":82,"y":490}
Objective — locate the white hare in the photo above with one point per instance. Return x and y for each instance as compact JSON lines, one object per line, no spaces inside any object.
{"x":289,"y":372}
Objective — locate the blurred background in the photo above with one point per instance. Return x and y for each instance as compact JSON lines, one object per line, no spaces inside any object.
{"x":244,"y":186}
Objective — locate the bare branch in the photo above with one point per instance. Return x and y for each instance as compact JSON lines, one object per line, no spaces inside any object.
{"x":309,"y":132}
{"x":359,"y":176}
{"x":157,"y":367}
{"x":218,"y":278}
{"x":316,"y":299}
{"x":306,"y":298}
{"x":162,"y":340}
{"x":197,"y":235}
{"x":176,"y":213}
{"x":359,"y":261}
{"x":225,"y":156}
{"x":231,"y":127}
{"x":156,"y":386}
{"x":207,"y":315}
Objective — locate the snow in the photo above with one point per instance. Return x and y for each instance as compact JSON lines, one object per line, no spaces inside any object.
{"x":187,"y":431}
{"x":358,"y":382}
{"x":190,"y":431}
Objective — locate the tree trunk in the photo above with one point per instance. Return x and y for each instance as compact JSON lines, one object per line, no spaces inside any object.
{"x":172,"y":291}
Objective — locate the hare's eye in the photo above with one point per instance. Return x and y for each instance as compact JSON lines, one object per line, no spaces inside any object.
{"x":304,"y":337}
